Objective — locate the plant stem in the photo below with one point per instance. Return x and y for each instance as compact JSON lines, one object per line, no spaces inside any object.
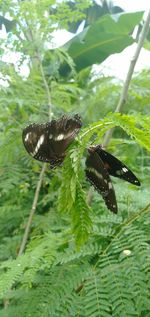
{"x":125,"y":88}
{"x":34,"y":205}
{"x":47,"y":90}
{"x":41,"y":176}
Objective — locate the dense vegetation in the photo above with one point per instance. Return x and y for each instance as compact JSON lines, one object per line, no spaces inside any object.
{"x":79,"y":258}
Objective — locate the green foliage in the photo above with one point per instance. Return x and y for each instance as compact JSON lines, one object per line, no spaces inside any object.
{"x":79,"y":260}
{"x":104,"y":37}
{"x":137,"y":127}
{"x":72,"y":196}
{"x":101,"y":279}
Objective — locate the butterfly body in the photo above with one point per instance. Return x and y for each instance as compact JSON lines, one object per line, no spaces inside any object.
{"x":99,"y":166}
{"x":48,"y":142}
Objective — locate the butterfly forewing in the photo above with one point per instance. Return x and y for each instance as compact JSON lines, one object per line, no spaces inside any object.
{"x":64,"y":132}
{"x":48,"y":142}
{"x":99,"y":177}
{"x":115,"y":167}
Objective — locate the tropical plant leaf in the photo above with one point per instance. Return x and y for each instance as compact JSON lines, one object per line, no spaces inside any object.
{"x":108,"y":35}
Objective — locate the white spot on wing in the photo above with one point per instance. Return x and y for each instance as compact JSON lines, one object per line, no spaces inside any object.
{"x":94,"y":171}
{"x":124,"y":169}
{"x":110,"y":185}
{"x":60,"y":137}
{"x":63,"y":136}
{"x":40,"y":141}
{"x":27,"y":136}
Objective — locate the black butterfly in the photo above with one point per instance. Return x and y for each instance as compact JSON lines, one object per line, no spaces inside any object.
{"x":99,"y":166}
{"x":48,"y":142}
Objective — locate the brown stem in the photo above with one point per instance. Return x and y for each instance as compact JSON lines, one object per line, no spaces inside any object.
{"x":36,"y":196}
{"x":46,"y":88}
{"x":34,"y":206}
{"x":27,"y":229}
{"x":41,"y":176}
{"x":125,"y":88}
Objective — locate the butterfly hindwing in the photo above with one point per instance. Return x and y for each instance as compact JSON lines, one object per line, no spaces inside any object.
{"x":48,"y":142}
{"x":99,"y":177}
{"x":115,"y":167}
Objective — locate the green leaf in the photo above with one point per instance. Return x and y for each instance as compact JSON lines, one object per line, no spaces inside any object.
{"x":108,"y":35}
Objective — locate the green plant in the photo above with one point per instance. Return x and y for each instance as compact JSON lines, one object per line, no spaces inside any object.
{"x":77,"y":259}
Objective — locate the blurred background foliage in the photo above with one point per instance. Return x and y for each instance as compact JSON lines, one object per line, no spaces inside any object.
{"x":75,"y":263}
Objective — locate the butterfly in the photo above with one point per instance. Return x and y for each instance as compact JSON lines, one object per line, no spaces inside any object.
{"x":99,"y":166}
{"x":48,"y":142}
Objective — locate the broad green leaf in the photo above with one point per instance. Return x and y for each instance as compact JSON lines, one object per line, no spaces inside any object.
{"x":108,"y":35}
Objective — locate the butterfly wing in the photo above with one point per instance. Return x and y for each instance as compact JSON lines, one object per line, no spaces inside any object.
{"x":97,"y":174}
{"x":63,"y":132}
{"x":48,"y":142}
{"x":35,"y":140}
{"x":115,"y":167}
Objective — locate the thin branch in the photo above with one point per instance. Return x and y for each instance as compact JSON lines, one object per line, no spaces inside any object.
{"x":41,"y":176}
{"x":27,"y":229}
{"x":125,"y":88}
{"x":46,"y":88}
{"x":34,"y":206}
